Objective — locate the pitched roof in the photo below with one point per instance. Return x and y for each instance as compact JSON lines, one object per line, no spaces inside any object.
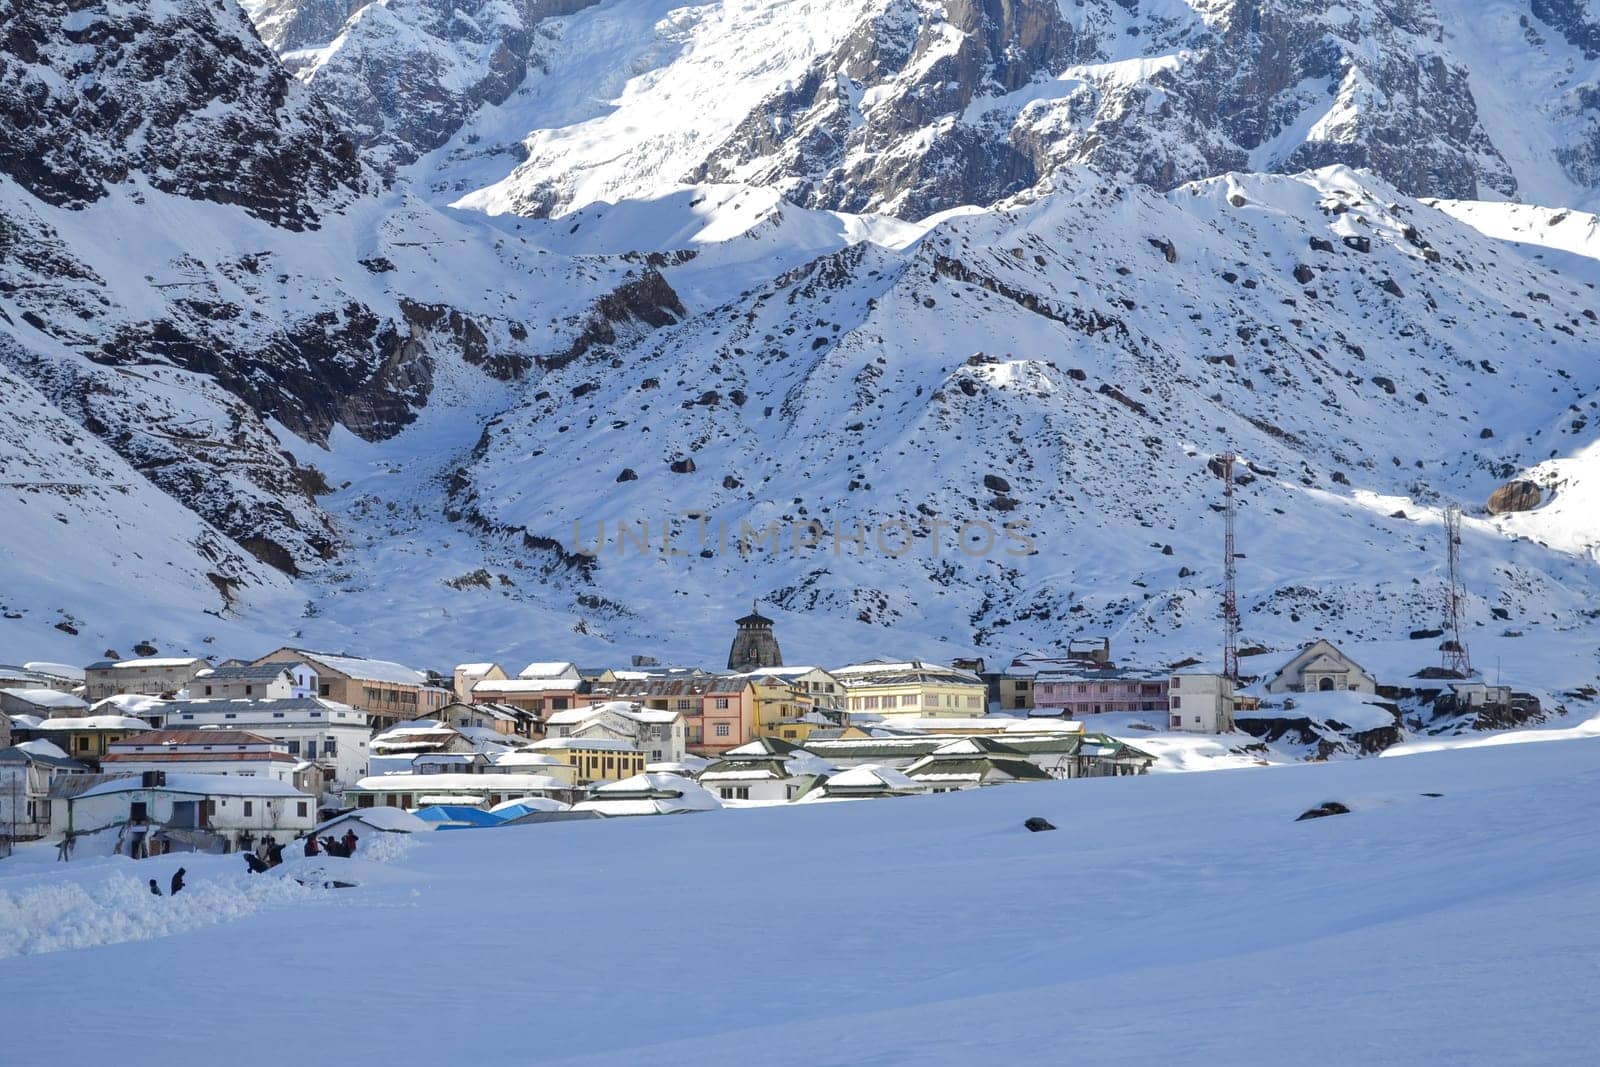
{"x":230,"y":785}
{"x":194,"y":737}
{"x":366,"y":670}
{"x":250,"y":672}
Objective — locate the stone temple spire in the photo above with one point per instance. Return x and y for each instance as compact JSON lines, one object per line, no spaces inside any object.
{"x":754,"y":646}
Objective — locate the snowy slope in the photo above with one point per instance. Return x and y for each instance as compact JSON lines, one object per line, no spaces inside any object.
{"x":914,"y":106}
{"x":1182,"y":918}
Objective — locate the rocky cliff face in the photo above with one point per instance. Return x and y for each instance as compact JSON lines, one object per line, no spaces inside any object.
{"x":913,"y":106}
{"x":405,"y":74}
{"x":180,"y":94}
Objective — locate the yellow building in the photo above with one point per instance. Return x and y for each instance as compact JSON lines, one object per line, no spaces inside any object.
{"x":926,"y":690}
{"x":594,"y":759}
{"x":790,"y":702}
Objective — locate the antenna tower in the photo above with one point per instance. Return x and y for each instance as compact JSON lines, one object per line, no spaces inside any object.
{"x":1455,"y":649}
{"x":1230,"y":602}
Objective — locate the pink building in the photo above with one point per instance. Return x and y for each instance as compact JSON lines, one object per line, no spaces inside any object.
{"x":1079,"y":691}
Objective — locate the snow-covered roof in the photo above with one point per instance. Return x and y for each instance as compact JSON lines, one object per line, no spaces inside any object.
{"x":526,"y":759}
{"x":368,"y":670}
{"x":510,"y":809}
{"x":549,"y":669}
{"x":215,"y":785}
{"x":596,"y":744}
{"x":55,"y":670}
{"x":131,"y":704}
{"x":92,"y":722}
{"x":498,"y":783}
{"x":157,"y":662}
{"x":472,"y":669}
{"x":384,"y":817}
{"x":527,"y":685}
{"x":874,"y":776}
{"x":46,"y":698}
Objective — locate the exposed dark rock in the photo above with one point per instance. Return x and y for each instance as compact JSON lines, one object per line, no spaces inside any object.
{"x":1518,"y":495}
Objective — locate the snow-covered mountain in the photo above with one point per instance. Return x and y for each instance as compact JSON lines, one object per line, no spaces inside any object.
{"x":913,"y":106}
{"x":911,"y":267}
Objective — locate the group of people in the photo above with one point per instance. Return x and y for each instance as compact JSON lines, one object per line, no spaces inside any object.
{"x":267,"y":855}
{"x":344,"y":846}
{"x":176,"y":886}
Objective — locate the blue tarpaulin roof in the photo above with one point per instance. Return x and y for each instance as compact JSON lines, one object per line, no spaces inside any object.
{"x":459,"y":814}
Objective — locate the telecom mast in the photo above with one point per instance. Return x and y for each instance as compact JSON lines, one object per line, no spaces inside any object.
{"x":1455,"y":649}
{"x":1230,"y":602}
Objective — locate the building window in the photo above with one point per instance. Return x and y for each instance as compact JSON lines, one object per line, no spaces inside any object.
{"x":722,"y":703}
{"x":323,"y":689}
{"x":249,"y":808}
{"x":1177,"y":702}
{"x":722,"y":729}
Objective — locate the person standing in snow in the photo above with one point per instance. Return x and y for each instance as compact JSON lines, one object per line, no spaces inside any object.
{"x":350,"y":840}
{"x":311,"y":844}
{"x":155,"y":890}
{"x":177,"y":880}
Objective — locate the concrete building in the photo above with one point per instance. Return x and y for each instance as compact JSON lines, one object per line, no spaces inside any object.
{"x":911,"y":687}
{"x":388,"y":692}
{"x":255,"y":681}
{"x":152,"y":676}
{"x":791,"y":702}
{"x":1320,"y":668}
{"x":200,"y":809}
{"x":1200,"y":703}
{"x":467,"y":675}
{"x":86,"y":737}
{"x":28,"y":772}
{"x":754,"y":644}
{"x":41,"y":703}
{"x":594,"y":759}
{"x":209,"y":752}
{"x":485,"y":790}
{"x":331,"y":735}
{"x":660,"y":734}
{"x":1095,"y":689}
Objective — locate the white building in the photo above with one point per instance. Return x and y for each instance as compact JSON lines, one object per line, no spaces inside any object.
{"x":239,"y":810}
{"x":334,"y":736}
{"x":1320,"y":668}
{"x":27,"y":771}
{"x":660,"y":734}
{"x":255,"y":681}
{"x":551,"y":671}
{"x":151,"y":676}
{"x":204,"y":752}
{"x":867,"y":781}
{"x":467,"y":675}
{"x":1200,"y":703}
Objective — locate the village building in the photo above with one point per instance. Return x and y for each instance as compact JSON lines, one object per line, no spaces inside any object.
{"x":255,"y":681}
{"x":767,"y":770}
{"x":477,"y":790}
{"x":501,"y":718}
{"x":755,"y":646}
{"x":540,"y":688}
{"x":28,"y":772}
{"x":660,"y":734}
{"x":970,"y":762}
{"x":467,"y":675}
{"x":594,"y":759}
{"x":396,"y":750}
{"x":1097,"y":689}
{"x":1200,"y":703}
{"x":86,"y":738}
{"x":718,"y":710}
{"x":388,"y":692}
{"x":888,"y":688}
{"x":41,"y":703}
{"x":210,"y":752}
{"x":330,"y":735}
{"x":648,"y":794}
{"x":62,"y":677}
{"x":197,"y":811}
{"x":1320,"y":667}
{"x":151,"y":676}
{"x":866,"y":782}
{"x":791,"y":702}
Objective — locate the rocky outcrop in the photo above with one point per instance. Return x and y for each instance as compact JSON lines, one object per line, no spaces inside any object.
{"x":407,"y":73}
{"x":182,"y":94}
